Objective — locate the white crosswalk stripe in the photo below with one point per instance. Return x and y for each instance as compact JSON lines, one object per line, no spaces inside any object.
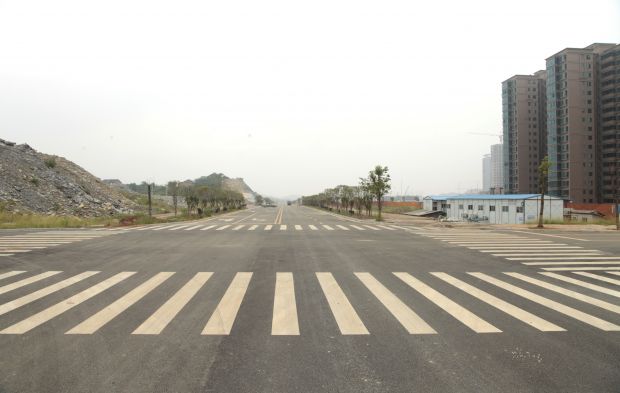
{"x":253,"y":227}
{"x":94,"y":323}
{"x":328,"y":227}
{"x":164,"y":315}
{"x":284,"y":307}
{"x":561,"y":308}
{"x":192,"y":228}
{"x":37,"y":319}
{"x":468,"y":318}
{"x":314,"y":228}
{"x":285,"y":317}
{"x":222,"y":227}
{"x":26,"y":281}
{"x":298,"y":228}
{"x":599,"y":277}
{"x":238,"y":227}
{"x":405,"y":315}
{"x":222,"y":319}
{"x":347,"y":319}
{"x":342,"y":227}
{"x":357,"y":227}
{"x":208,"y":227}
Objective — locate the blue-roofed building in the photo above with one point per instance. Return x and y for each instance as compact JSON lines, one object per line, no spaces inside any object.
{"x":496,"y":209}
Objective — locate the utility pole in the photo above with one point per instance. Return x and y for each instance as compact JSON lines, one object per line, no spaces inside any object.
{"x":150,"y":205}
{"x":617,"y":188}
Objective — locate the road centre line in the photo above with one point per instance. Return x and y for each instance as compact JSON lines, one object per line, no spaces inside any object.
{"x":164,"y":315}
{"x":41,"y":317}
{"x":546,"y":234}
{"x":566,"y":292}
{"x":284,"y":322}
{"x":583,"y":284}
{"x":558,"y":307}
{"x":31,"y":297}
{"x":347,"y":319}
{"x":405,"y":315}
{"x":223,"y":318}
{"x":95,"y":322}
{"x":460,"y":313}
{"x":508,"y":308}
{"x":598,"y":277}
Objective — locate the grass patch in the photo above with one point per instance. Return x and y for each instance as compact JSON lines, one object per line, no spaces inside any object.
{"x":22,"y":220}
{"x":50,"y":162}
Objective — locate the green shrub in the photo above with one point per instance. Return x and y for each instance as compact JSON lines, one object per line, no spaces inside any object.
{"x":50,"y":162}
{"x":34,"y":181}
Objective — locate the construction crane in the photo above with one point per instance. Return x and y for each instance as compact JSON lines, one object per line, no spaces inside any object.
{"x":501,"y":137}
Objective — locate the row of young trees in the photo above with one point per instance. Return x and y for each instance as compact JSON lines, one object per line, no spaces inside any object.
{"x":355,"y":198}
{"x":202,"y":199}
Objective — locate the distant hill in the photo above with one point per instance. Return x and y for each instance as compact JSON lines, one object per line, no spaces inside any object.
{"x":47,"y":184}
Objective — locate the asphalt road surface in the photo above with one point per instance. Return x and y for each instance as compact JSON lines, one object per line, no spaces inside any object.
{"x":293,"y":299}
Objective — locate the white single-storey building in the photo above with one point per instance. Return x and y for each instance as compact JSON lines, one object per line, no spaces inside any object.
{"x":496,"y":209}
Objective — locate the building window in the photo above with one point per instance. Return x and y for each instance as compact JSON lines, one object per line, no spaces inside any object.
{"x":519,"y":209}
{"x":491,"y":208}
{"x":480,"y":207}
{"x":505,"y":209}
{"x":470,"y":207}
{"x":460,"y":207}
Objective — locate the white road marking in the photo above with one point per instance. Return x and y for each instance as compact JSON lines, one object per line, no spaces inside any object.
{"x":284,"y":306}
{"x":372,"y":227}
{"x":386,"y":227}
{"x":166,"y":313}
{"x":314,"y":228}
{"x":513,"y":311}
{"x":283,"y":227}
{"x":11,"y":274}
{"x":51,"y":312}
{"x":192,"y":228}
{"x":560,"y":258}
{"x":95,"y":322}
{"x":579,"y":268}
{"x":209,"y":227}
{"x":571,"y":263}
{"x":546,"y":234}
{"x":347,"y":319}
{"x":164,"y":227}
{"x":149,"y":227}
{"x":600,"y":278}
{"x":342,"y":227}
{"x":566,"y":292}
{"x":223,"y":227}
{"x":614,"y":273}
{"x":519,"y":250}
{"x":559,"y":307}
{"x":16,"y":250}
{"x":27,"y":281}
{"x":358,"y":228}
{"x":463,"y":315}
{"x":268,"y":227}
{"x":328,"y":227}
{"x":238,"y":227}
{"x":253,"y":227}
{"x":298,"y":228}
{"x":405,"y":315}
{"x":223,"y":318}
{"x":492,"y":242}
{"x":31,"y":297}
{"x":583,"y":284}
{"x":179,"y":227}
{"x":5,"y":255}
{"x":542,"y":247}
{"x":526,"y":254}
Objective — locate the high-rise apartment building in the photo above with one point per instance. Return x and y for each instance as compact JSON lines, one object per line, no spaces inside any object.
{"x":609,"y":131}
{"x":525,"y":131}
{"x":573,"y":122}
{"x":486,"y":172}
{"x":497,"y":168}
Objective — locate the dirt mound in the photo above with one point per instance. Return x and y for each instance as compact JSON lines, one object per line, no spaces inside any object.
{"x":35,"y":182}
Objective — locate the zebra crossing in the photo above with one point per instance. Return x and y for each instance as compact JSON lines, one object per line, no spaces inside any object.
{"x":257,"y":227}
{"x":23,"y":243}
{"x":596,"y":294}
{"x":546,"y":254}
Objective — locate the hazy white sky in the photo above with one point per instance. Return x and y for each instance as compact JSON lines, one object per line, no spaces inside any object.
{"x":293,"y":96}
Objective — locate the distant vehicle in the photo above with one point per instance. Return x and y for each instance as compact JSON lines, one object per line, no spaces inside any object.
{"x":289,"y":203}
